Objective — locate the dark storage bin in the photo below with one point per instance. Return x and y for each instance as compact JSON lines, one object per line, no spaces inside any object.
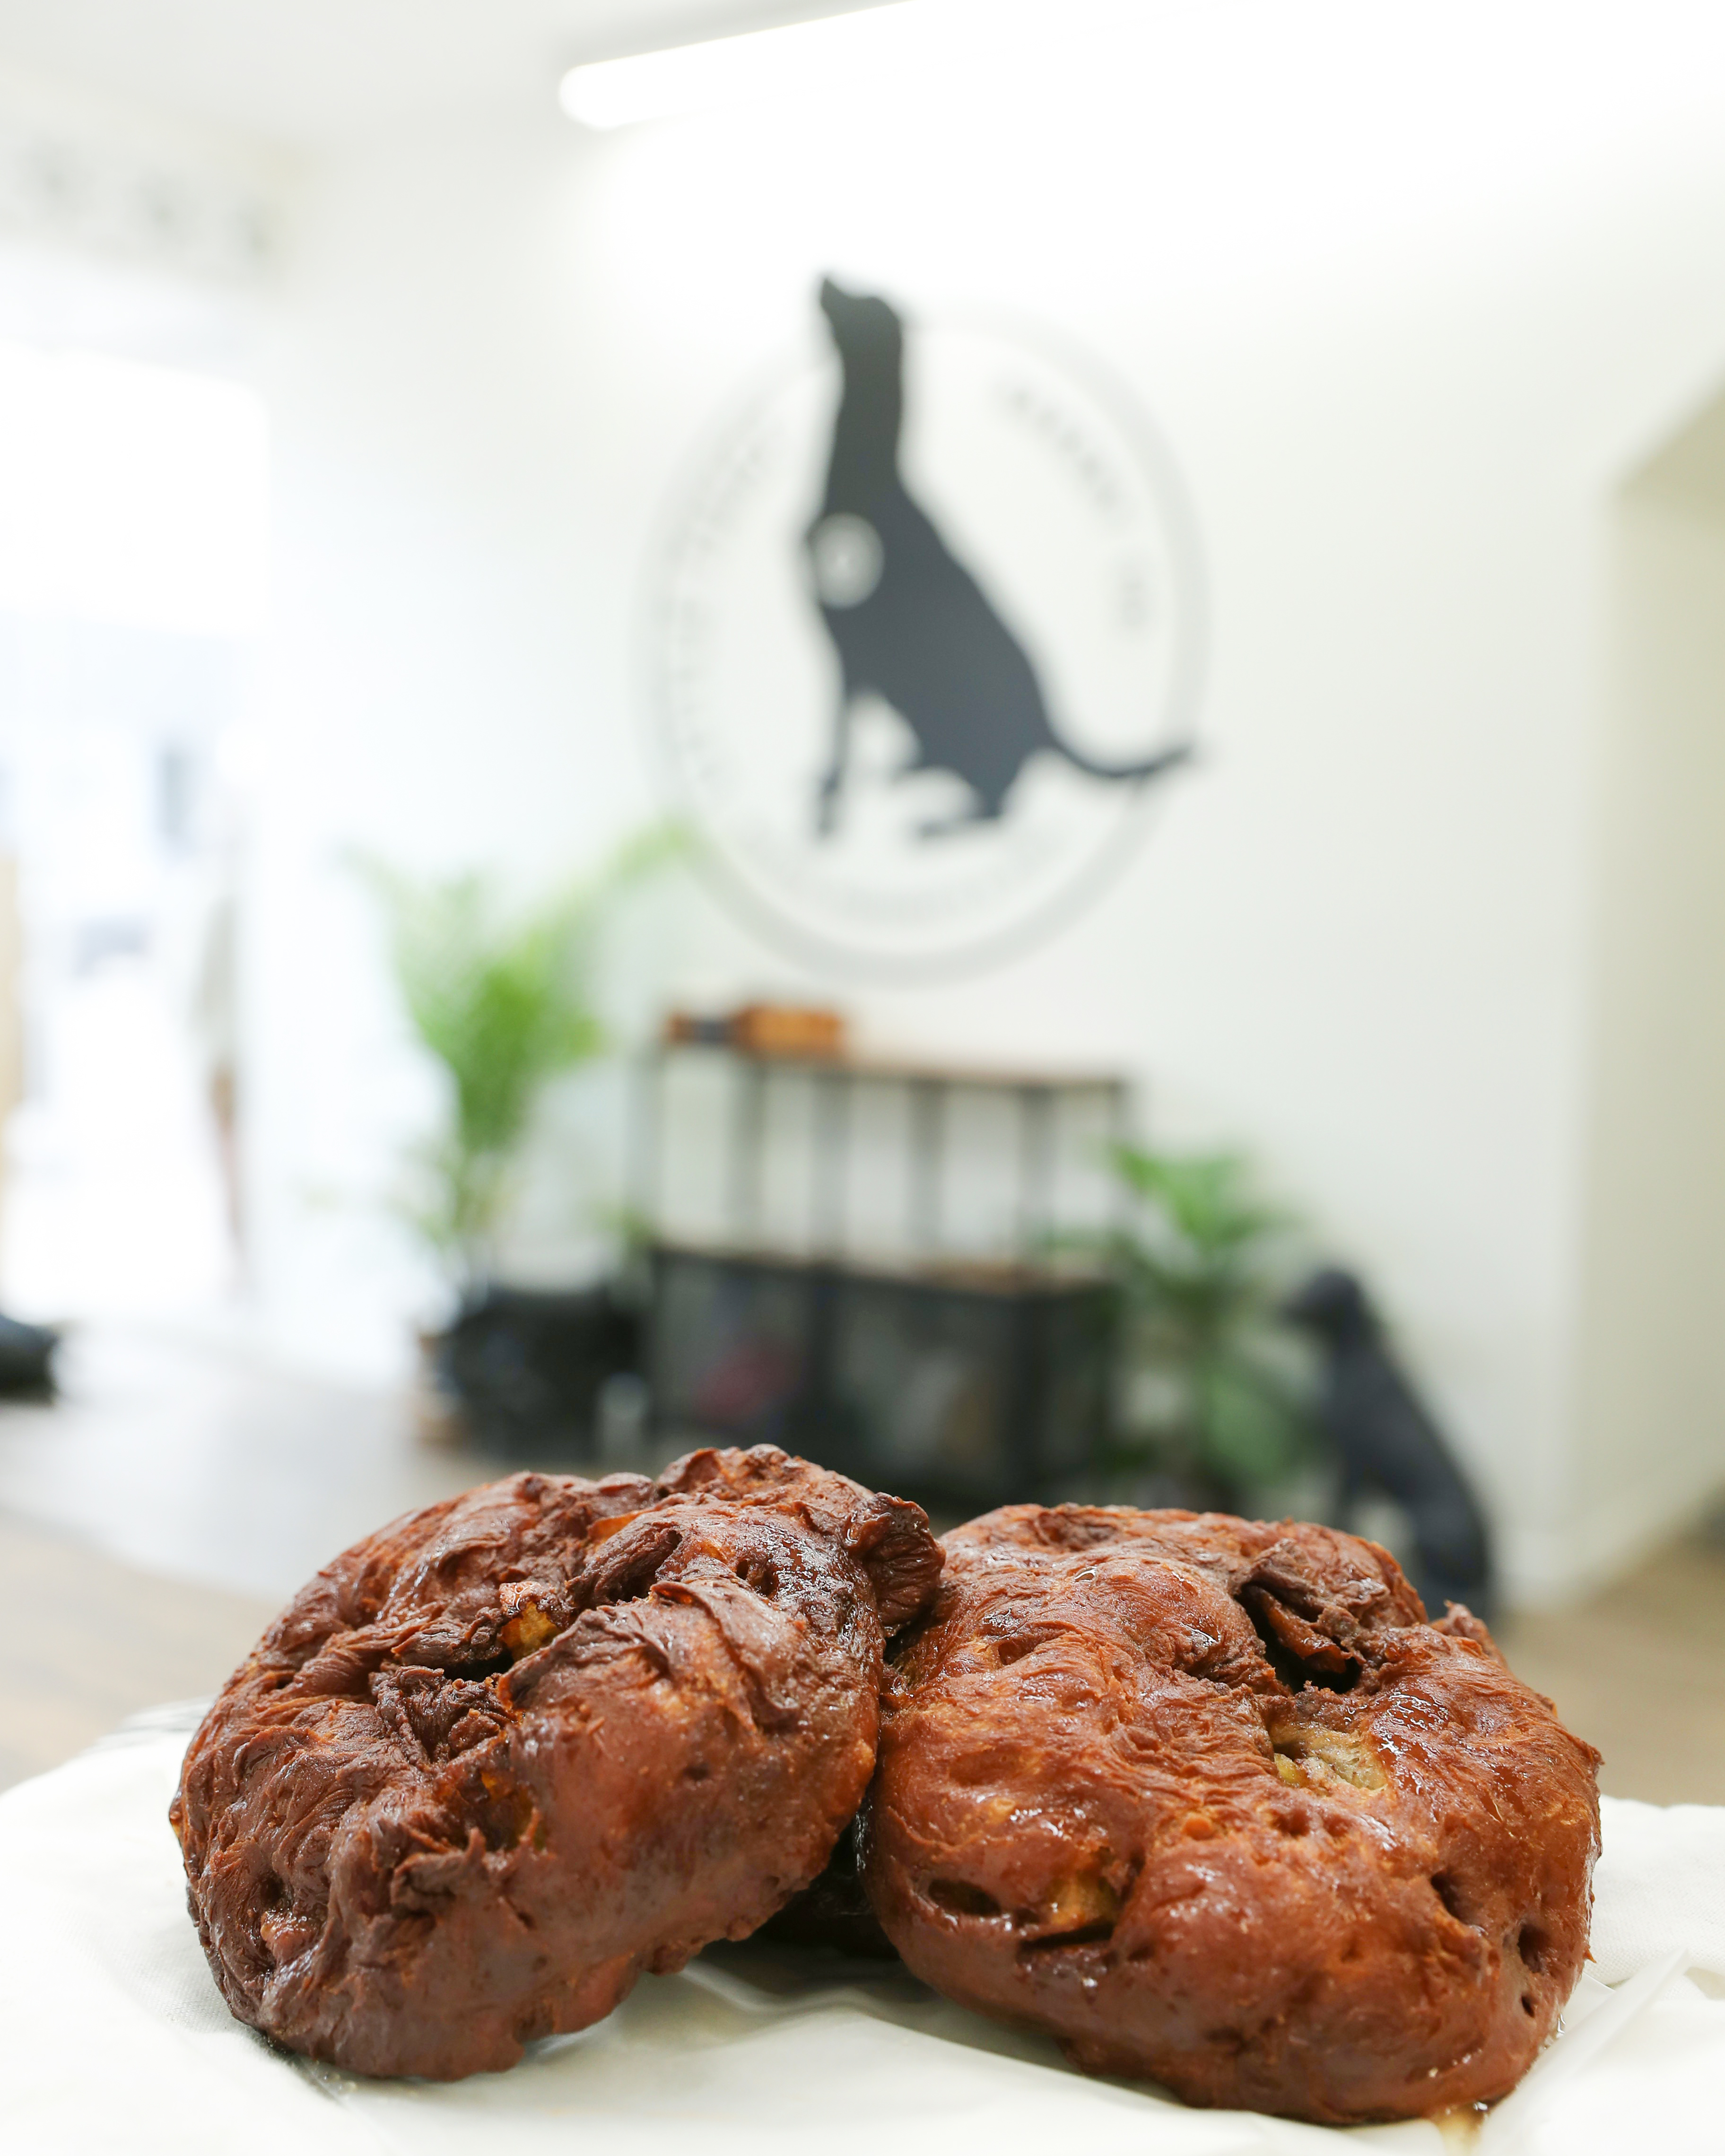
{"x":528,"y":1367}
{"x":964,"y":1387}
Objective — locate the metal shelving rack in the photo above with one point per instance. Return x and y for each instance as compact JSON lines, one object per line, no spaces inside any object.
{"x":830,"y":1351}
{"x":930,"y":1088}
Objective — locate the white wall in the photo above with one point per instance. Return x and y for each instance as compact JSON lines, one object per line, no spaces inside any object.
{"x":1405,"y":321}
{"x":1651,"y":1391}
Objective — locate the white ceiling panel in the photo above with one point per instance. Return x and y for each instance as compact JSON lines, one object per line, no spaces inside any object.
{"x":303,"y":72}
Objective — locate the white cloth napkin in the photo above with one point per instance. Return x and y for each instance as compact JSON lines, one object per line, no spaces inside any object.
{"x":1660,"y":1885}
{"x":114,"y":2039}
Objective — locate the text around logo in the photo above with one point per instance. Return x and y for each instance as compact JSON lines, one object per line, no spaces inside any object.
{"x":924,"y":639}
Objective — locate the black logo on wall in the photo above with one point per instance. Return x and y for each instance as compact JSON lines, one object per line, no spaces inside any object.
{"x":920,"y":725}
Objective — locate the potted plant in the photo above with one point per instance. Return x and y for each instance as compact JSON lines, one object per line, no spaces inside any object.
{"x":504,"y":1003}
{"x":1213,"y":1406}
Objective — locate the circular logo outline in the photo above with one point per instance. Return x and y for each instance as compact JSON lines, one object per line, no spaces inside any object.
{"x":776,"y":925}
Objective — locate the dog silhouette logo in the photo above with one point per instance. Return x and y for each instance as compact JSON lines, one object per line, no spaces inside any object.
{"x":909,"y":621}
{"x":924,"y":635}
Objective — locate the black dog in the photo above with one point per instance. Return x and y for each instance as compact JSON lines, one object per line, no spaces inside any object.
{"x":1387,"y":1441}
{"x":909,"y":623}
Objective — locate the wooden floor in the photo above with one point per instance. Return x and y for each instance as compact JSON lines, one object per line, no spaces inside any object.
{"x":153,"y":1520}
{"x":90,"y":1640}
{"x":157,"y":1514}
{"x":1639,"y":1671}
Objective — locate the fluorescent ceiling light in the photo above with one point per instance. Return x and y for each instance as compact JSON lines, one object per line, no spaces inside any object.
{"x":757,"y":64}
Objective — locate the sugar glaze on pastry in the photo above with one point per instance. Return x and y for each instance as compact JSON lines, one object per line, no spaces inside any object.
{"x":1210,"y":1800}
{"x":509,"y":1753}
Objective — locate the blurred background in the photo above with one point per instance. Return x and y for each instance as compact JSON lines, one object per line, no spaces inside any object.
{"x":986,"y":739}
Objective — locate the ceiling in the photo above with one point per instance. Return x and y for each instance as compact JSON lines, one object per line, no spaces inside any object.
{"x":1476,"y":99}
{"x":300,"y":73}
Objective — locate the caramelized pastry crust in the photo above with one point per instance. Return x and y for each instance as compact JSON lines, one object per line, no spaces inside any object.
{"x":509,"y":1752}
{"x":1210,"y":1800}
